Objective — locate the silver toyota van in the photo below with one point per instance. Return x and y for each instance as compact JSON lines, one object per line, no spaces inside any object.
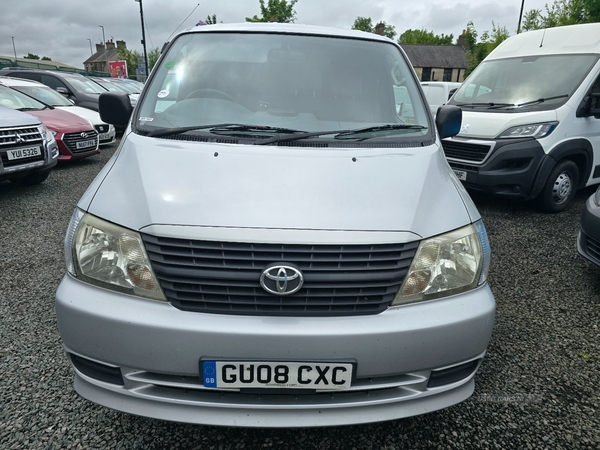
{"x":277,"y":242}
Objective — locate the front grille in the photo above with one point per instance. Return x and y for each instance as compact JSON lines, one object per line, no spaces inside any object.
{"x":465,"y":151}
{"x":14,"y":138}
{"x":224,"y":277}
{"x":71,"y":140}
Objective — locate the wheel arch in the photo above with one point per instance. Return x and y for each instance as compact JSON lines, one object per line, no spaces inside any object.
{"x":581,"y":152}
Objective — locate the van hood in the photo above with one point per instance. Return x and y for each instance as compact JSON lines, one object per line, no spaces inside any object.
{"x":489,"y":124}
{"x":161,"y":182}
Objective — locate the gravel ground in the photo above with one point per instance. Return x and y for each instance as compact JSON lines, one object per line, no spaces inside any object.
{"x":537,"y":388}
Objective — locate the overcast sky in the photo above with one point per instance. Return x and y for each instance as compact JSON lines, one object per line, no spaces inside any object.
{"x":60,"y":29}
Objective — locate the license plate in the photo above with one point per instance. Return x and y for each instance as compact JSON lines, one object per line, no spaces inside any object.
{"x":282,"y":375}
{"x":20,"y":153}
{"x":461,"y":175}
{"x":86,"y":144}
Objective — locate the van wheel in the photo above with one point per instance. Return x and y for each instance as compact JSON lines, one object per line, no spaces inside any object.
{"x":560,"y":188}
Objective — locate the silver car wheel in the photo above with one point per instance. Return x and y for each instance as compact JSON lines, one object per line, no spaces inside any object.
{"x":562,"y":188}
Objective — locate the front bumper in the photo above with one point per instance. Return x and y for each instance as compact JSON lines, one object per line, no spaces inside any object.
{"x":507,"y":168}
{"x":156,"y":348}
{"x":588,"y":238}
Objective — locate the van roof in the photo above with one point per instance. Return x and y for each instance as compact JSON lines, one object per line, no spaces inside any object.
{"x":276,"y":27}
{"x":584,"y":38}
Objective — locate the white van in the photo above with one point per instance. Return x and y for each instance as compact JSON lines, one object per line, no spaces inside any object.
{"x":438,"y":93}
{"x":275,"y":243}
{"x":531,"y":118}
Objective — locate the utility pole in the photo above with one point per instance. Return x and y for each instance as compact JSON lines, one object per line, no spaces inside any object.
{"x":91,"y":53}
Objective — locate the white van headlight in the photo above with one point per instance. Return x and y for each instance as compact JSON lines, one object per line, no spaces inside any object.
{"x":447,"y":264}
{"x":109,"y":256}
{"x":534,"y":130}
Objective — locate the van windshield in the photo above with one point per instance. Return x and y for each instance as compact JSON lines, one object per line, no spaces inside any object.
{"x":535,"y":82}
{"x":260,"y":85}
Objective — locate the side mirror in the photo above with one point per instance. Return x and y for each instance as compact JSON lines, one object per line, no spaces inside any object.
{"x":448,"y":120}
{"x":115,"y":108}
{"x":63,"y":91}
{"x":589,"y":106}
{"x":595,"y":104}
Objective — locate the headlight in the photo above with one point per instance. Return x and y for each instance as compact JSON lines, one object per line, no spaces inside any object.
{"x":597,"y":197}
{"x":109,"y":256}
{"x":535,"y":130}
{"x":47,"y":134}
{"x":447,"y":264}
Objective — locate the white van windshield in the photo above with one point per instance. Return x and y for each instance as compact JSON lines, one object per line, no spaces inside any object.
{"x":541,"y":82}
{"x":292,"y":83}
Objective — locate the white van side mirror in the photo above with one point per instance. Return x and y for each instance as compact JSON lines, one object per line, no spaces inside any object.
{"x":590,"y":106}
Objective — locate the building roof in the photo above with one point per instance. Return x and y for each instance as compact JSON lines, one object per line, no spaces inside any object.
{"x":442,"y":56}
{"x":36,"y":63}
{"x":111,"y":53}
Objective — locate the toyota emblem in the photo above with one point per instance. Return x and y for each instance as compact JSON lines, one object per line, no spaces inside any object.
{"x":281,"y":279}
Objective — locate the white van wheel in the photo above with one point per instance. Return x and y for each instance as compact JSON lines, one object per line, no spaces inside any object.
{"x":560,"y":188}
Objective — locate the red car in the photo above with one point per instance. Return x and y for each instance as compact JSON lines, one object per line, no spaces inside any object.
{"x":75,"y":136}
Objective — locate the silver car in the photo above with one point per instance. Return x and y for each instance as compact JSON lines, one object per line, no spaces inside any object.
{"x":274,"y":243}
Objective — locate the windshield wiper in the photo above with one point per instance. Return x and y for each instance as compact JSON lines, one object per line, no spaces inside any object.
{"x":220,"y":128}
{"x":341,"y":134}
{"x":349,"y":134}
{"x":486,"y":104}
{"x":539,"y":100}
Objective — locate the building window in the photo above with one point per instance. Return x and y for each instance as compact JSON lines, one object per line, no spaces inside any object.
{"x":426,"y":74}
{"x":447,"y":75}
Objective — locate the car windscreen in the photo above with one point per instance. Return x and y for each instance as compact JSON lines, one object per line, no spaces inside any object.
{"x":294,"y":83}
{"x":44,"y":94}
{"x":85,"y":86}
{"x":10,"y":98}
{"x":541,"y":82}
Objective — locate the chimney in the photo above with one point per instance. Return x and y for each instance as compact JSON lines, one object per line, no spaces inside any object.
{"x":461,"y":40}
{"x":110,"y":45}
{"x":99,"y":47}
{"x":121,"y":44}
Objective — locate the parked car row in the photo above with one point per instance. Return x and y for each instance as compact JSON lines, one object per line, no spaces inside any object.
{"x":28,"y":151}
{"x":66,"y":124}
{"x":50,"y":97}
{"x":75,"y":136}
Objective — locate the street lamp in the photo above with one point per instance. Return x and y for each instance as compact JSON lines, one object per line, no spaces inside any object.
{"x":105,"y":52}
{"x":91,"y":53}
{"x":143,"y":37}
{"x":15,"y":49}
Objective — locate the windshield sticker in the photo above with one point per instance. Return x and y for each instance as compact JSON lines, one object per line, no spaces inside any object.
{"x":143,"y":120}
{"x":162,"y":94}
{"x":169,"y":64}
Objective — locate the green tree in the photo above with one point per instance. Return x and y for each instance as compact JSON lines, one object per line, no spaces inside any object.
{"x":132,"y":57}
{"x":31,"y":56}
{"x":424,"y":37}
{"x":562,"y":12}
{"x":210,"y":20}
{"x":45,"y":58}
{"x":363,"y":24}
{"x":275,"y":11}
{"x":477,"y":51}
{"x":366,"y":24}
